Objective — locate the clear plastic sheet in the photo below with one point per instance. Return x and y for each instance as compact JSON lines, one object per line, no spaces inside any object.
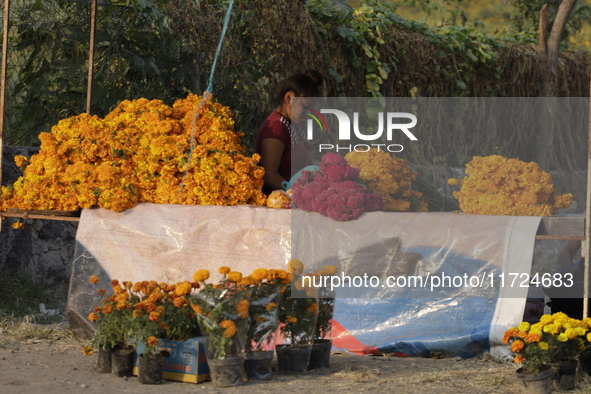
{"x":169,"y":243}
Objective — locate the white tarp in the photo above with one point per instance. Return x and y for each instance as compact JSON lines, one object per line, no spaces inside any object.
{"x":170,"y":242}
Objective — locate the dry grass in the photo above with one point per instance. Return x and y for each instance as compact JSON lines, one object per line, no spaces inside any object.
{"x":27,"y":328}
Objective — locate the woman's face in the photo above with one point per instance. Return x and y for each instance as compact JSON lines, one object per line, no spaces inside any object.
{"x":298,"y":105}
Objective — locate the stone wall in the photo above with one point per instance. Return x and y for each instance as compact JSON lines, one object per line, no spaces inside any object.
{"x":44,"y":249}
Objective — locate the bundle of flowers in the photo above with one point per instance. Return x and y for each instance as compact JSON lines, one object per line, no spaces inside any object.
{"x":222,"y":312}
{"x":140,"y":152}
{"x":145,"y":311}
{"x":496,"y":185}
{"x":390,"y":177}
{"x":334,"y":191}
{"x":298,"y":311}
{"x":555,"y":338}
{"x":266,"y":291}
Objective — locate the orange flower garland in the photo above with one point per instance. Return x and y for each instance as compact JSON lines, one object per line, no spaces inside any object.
{"x":139,"y":153}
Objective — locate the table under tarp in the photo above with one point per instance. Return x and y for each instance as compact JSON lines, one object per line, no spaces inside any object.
{"x":170,"y":242}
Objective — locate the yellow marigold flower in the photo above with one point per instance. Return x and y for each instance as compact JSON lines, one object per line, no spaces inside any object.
{"x":261,"y":319}
{"x":87,"y":350}
{"x":234,"y":276}
{"x":242,"y":309}
{"x":562,"y":337}
{"x":230,"y":328}
{"x":329,"y":270}
{"x":224,"y":270}
{"x":259,"y":274}
{"x":18,"y":225}
{"x":313,"y":307}
{"x":247,"y":281}
{"x":543,"y":345}
{"x":93,"y":317}
{"x":201,"y":276}
{"x":271,"y":306}
{"x":93,"y":279}
{"x":453,"y":182}
{"x":523,"y":326}
{"x":546,"y":319}
{"x":183,"y":289}
{"x":152,"y":341}
{"x":295,"y":267}
{"x":517,"y":346}
{"x":571,"y":333}
{"x":291,"y":319}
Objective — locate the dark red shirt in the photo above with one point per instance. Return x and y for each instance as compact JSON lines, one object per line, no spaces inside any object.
{"x":297,"y":153}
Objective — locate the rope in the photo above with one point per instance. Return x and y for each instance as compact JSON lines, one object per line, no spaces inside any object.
{"x":207,"y":93}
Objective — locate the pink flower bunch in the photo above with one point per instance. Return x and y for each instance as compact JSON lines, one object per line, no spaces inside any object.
{"x":334,"y":191}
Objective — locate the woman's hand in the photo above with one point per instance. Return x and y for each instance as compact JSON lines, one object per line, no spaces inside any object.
{"x":271,"y":154}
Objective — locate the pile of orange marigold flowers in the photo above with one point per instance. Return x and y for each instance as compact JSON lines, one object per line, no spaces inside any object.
{"x":389,"y":177}
{"x":139,"y":153}
{"x":496,"y":185}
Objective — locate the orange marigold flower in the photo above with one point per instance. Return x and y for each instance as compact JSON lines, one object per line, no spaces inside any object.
{"x":519,"y":359}
{"x":180,"y":302}
{"x":154,"y":316}
{"x":197,"y":309}
{"x":93,"y":317}
{"x":509,"y":334}
{"x":533,"y":337}
{"x":291,"y":319}
{"x":271,"y":306}
{"x":93,"y":279}
{"x":230,"y":328}
{"x":201,"y":276}
{"x":259,"y":274}
{"x":517,"y":346}
{"x":108,"y":309}
{"x":234,"y":276}
{"x":224,"y":270}
{"x":137,"y":313}
{"x":242,"y":309}
{"x":102,"y":292}
{"x":183,"y":288}
{"x":152,"y":341}
{"x":87,"y":350}
{"x":295,"y":267}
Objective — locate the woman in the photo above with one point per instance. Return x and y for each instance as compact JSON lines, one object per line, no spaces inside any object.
{"x":284,"y":150}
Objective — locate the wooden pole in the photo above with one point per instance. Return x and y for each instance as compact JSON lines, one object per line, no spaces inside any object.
{"x":91,"y":57}
{"x":5,"y":27}
{"x":586,"y":247}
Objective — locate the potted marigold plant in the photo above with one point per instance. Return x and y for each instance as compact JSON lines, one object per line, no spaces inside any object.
{"x":298,"y":313}
{"x":112,"y":336}
{"x":548,"y":349}
{"x":222,"y":313}
{"x":566,"y":339}
{"x":321,"y":349}
{"x":266,"y":291}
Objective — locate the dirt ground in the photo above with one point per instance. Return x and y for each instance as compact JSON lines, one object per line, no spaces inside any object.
{"x":49,"y":360}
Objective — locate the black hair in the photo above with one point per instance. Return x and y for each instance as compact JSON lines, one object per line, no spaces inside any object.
{"x":302,"y":85}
